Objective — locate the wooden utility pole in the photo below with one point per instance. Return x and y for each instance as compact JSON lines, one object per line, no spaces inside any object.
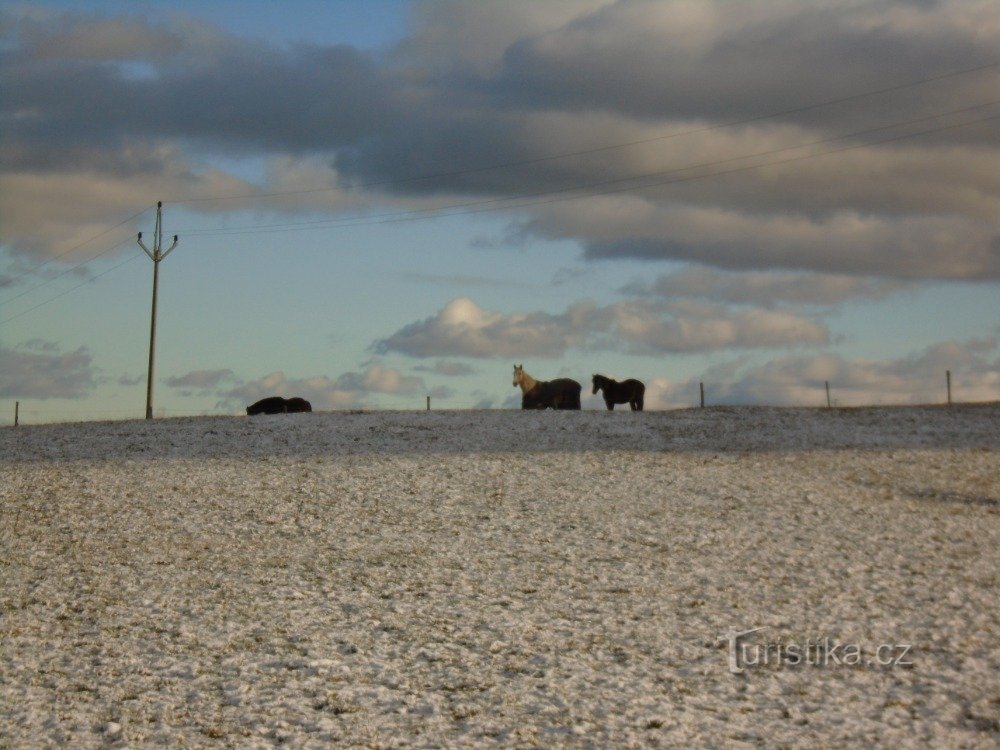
{"x":156,"y":255}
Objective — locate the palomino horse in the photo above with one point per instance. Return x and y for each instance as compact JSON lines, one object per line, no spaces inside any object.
{"x":628,"y":392}
{"x":562,"y":393}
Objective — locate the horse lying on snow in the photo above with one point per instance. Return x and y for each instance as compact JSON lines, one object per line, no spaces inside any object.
{"x":279,"y":405}
{"x":562,"y":393}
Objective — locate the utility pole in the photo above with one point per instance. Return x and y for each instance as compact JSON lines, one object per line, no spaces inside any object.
{"x":156,"y":255}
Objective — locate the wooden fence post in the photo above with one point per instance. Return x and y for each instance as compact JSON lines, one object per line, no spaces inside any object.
{"x":428,"y":403}
{"x":701,"y":387}
{"x":947,"y":376}
{"x":17,"y":409}
{"x":827,"y":383}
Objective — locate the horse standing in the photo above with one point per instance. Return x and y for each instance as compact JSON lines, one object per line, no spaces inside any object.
{"x":629,"y":392}
{"x":561,"y":393}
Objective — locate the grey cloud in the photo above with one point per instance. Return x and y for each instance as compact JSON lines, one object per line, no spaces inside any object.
{"x":766,"y":289}
{"x":240,"y":95}
{"x":201,"y":379}
{"x":722,"y":59}
{"x":686,"y":326}
{"x":481,"y":85}
{"x":320,"y":391}
{"x":449,"y":369}
{"x":38,"y":372}
{"x":348,"y":390}
{"x":442,"y":392}
{"x":923,"y":247}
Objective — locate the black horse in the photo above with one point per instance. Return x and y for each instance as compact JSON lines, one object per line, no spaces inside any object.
{"x":279,"y":405}
{"x":628,"y":392}
{"x":561,"y":393}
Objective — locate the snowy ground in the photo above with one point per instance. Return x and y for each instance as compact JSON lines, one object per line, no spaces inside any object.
{"x":504,"y":578}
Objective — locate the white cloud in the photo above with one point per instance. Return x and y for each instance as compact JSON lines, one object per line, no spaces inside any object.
{"x":348,"y":390}
{"x":462,"y":328}
{"x":377,"y":378}
{"x":800,"y":381}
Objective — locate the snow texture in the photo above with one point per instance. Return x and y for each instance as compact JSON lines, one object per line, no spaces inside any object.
{"x":502,"y":578}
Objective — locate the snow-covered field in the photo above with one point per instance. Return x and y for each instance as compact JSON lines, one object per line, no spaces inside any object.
{"x":504,"y":578}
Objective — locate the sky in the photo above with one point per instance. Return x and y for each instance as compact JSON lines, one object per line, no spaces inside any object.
{"x":382,"y":202}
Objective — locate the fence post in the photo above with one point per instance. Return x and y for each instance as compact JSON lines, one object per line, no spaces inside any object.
{"x":827,"y":383}
{"x":17,"y":409}
{"x":428,"y":403}
{"x":701,"y":387}
{"x":947,"y":375}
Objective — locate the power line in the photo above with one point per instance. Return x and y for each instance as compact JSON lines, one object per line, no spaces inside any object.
{"x":519,"y":201}
{"x":63,"y":273}
{"x":505,"y":165}
{"x":484,"y":206}
{"x":71,"y":289}
{"x":599,"y":149}
{"x":515,"y":202}
{"x":78,"y":246}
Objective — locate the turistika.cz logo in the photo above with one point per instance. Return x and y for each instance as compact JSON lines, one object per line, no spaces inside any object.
{"x":822,"y":652}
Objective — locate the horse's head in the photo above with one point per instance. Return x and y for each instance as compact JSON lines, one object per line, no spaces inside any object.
{"x":597,"y":384}
{"x":518,"y":374}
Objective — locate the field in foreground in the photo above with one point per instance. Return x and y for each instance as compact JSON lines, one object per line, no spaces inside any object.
{"x":504,"y":578}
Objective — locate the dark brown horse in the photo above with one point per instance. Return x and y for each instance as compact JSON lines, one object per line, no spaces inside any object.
{"x":629,"y":392}
{"x":561,"y":393}
{"x":279,"y":405}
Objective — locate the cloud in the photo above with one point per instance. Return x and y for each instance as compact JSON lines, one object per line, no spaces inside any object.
{"x":764,"y":288}
{"x":203,"y":379}
{"x":654,"y":58}
{"x":686,"y":326}
{"x":348,"y":390}
{"x":463,"y":328}
{"x":36,"y":370}
{"x":448,"y":369}
{"x":377,"y":378}
{"x":669,"y":145}
{"x":918,"y":378}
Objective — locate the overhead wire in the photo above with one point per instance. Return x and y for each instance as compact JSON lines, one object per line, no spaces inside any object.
{"x":598,"y":149}
{"x":69,"y":270}
{"x":507,"y":203}
{"x":515,"y":202}
{"x":93,"y":278}
{"x":77,"y":246}
{"x":480,"y":207}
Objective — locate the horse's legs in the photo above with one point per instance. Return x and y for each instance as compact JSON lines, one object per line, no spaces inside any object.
{"x":610,"y":404}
